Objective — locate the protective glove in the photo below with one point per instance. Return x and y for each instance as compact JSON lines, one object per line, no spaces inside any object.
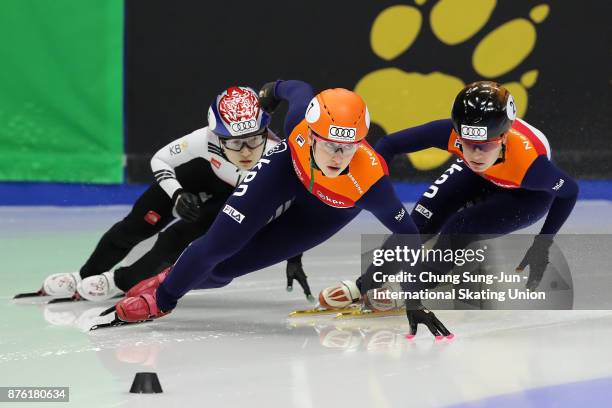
{"x":537,"y":259}
{"x":267,"y":100}
{"x":187,"y":206}
{"x":429,"y":319}
{"x":295,"y":271}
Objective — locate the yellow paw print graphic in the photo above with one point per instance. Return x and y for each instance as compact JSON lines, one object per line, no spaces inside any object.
{"x":398,"y":99}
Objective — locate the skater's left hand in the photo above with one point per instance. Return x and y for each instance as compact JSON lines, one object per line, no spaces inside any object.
{"x":267,"y":100}
{"x":295,"y":271}
{"x":537,"y":259}
{"x":429,"y":319}
{"x":187,"y":206}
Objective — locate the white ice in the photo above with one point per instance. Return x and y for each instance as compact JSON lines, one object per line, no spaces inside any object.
{"x":235,"y":346}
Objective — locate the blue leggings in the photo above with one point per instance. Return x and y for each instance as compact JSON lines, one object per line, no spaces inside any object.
{"x":242,"y":239}
{"x":462,"y":207}
{"x":293,"y":233}
{"x":462,"y":202}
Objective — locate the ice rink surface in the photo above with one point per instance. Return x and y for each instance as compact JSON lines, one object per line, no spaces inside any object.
{"x":235,"y":346}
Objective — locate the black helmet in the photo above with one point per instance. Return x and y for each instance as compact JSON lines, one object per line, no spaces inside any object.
{"x":482,"y":111}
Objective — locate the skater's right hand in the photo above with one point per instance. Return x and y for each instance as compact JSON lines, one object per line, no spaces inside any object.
{"x":187,"y":206}
{"x":537,"y":260}
{"x":425,"y":316}
{"x":267,"y":99}
{"x":296,"y":271}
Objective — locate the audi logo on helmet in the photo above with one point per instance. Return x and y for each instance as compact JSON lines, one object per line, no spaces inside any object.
{"x":341,"y":133}
{"x":474,"y":132}
{"x":244,"y":126}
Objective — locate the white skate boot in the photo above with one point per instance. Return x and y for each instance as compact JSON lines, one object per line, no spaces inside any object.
{"x":98,"y":287}
{"x":62,"y":285}
{"x":339,"y":296}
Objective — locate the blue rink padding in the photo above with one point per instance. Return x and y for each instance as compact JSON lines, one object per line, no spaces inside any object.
{"x":591,"y":393}
{"x":66,"y":194}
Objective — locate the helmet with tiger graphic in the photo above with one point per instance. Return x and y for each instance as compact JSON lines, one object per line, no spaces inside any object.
{"x":236,"y":113}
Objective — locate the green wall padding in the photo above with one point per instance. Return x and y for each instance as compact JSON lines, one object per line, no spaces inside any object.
{"x":61,"y":64}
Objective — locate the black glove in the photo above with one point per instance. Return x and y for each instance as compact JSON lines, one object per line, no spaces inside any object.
{"x":187,"y":206}
{"x":422,"y":315}
{"x":537,"y":259}
{"x":295,"y":271}
{"x":267,"y":100}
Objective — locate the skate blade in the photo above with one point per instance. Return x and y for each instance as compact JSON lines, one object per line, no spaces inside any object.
{"x":108,"y":311}
{"x":30,"y":294}
{"x":115,"y":322}
{"x":360,"y":314}
{"x":321,"y":311}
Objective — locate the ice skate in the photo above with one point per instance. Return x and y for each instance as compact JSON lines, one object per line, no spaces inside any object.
{"x":61,"y":286}
{"x":376,"y":303}
{"x":147,"y":284}
{"x":320,"y":310}
{"x":98,"y":288}
{"x":339,"y":296}
{"x":343,"y":297}
{"x":345,"y":302}
{"x":364,"y":311}
{"x":130,"y":310}
{"x":139,"y":304}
